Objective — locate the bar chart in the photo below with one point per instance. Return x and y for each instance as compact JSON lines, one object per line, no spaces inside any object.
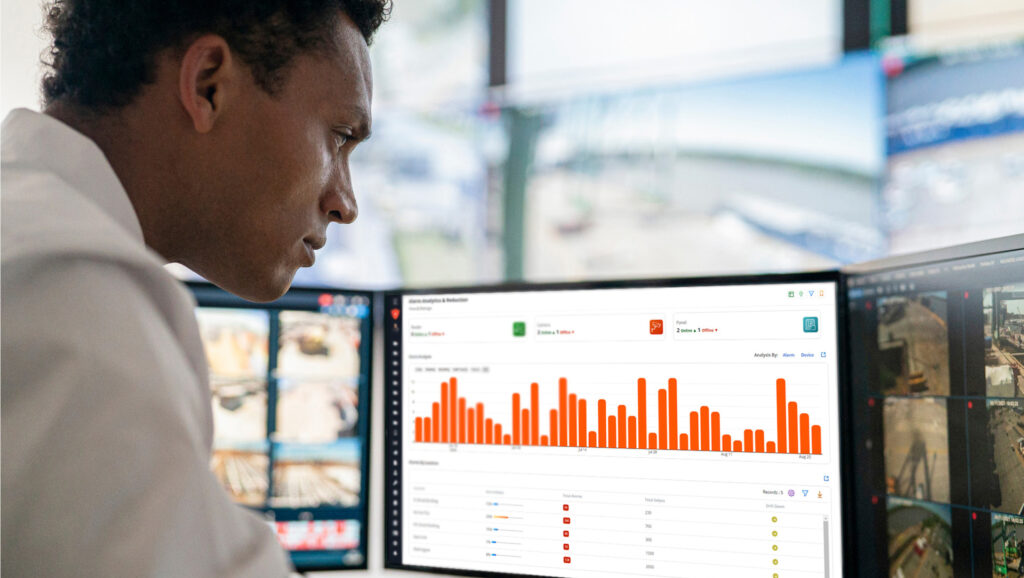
{"x":456,"y":420}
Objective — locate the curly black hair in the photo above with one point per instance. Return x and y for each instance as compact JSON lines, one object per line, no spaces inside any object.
{"x":104,"y":51}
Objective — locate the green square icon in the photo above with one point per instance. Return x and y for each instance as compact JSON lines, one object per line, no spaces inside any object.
{"x":810,"y":324}
{"x":519,"y":329}
{"x":791,"y":293}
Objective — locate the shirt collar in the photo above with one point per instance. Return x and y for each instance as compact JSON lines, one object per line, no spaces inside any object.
{"x":38,"y":141}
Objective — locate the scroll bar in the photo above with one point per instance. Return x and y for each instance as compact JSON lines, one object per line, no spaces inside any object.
{"x":825,"y":528}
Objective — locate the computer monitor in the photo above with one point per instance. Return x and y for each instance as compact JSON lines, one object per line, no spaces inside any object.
{"x":290,"y":383}
{"x":937,"y":411}
{"x":656,"y":428}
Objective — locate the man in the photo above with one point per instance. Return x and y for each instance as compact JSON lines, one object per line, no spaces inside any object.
{"x":212,"y":134}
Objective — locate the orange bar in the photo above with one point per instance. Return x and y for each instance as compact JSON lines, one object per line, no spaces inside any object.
{"x":489,"y":431}
{"x":673,"y":414}
{"x":573,"y":430}
{"x":436,"y":424}
{"x":563,"y":413}
{"x":602,"y":418}
{"x":816,"y":440}
{"x":581,"y":418}
{"x":480,"y":423}
{"x":452,"y":423}
{"x":780,"y":412}
{"x":498,"y":439}
{"x":652,"y":440}
{"x":444,"y":412}
{"x":641,"y":410}
{"x":771,"y":447}
{"x":621,"y":421}
{"x":631,"y":428}
{"x":759,"y":441}
{"x":544,"y":440}
{"x":554,"y":427}
{"x":737,"y":446}
{"x":516,"y":424}
{"x":592,"y":439}
{"x":507,"y":440}
{"x":716,"y":433}
{"x":462,"y":420}
{"x":684,"y":442}
{"x":534,"y":413}
{"x":419,"y":429}
{"x":791,"y":423}
{"x":470,"y":426}
{"x":726,"y":443}
{"x":526,"y":427}
{"x":663,"y":418}
{"x":427,"y":429}
{"x":611,"y":432}
{"x":694,"y":431}
{"x":705,"y":428}
{"x":748,"y":440}
{"x":805,"y":434}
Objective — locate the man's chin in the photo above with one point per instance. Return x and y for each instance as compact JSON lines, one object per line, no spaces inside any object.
{"x":258,"y":287}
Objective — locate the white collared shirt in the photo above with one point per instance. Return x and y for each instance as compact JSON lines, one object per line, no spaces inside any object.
{"x":106,"y":418}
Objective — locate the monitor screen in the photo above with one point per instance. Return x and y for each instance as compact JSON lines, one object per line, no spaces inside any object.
{"x":676,"y":428}
{"x":290,"y":384}
{"x":937,"y":407}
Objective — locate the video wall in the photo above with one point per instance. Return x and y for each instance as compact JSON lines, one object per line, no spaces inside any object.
{"x":937,"y":371}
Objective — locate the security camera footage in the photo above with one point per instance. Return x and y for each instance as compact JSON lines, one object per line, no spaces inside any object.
{"x":289,"y":383}
{"x":938,"y":416}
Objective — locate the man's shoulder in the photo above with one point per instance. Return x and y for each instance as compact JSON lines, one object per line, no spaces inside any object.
{"x":44,"y":217}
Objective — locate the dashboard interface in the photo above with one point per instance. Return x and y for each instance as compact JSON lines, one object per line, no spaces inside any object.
{"x":290,"y":385}
{"x":937,"y":379}
{"x":681,"y":429}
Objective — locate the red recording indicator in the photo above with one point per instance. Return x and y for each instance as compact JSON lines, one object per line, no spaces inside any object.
{"x":325,"y":300}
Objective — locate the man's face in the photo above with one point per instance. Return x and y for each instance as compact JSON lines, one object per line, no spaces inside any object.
{"x":278,"y":170}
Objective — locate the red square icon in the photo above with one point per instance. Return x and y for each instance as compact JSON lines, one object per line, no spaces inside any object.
{"x":565,"y":507}
{"x":566,"y":520}
{"x":565,"y":533}
{"x":565,"y":546}
{"x":657,"y":327}
{"x":566,"y":559}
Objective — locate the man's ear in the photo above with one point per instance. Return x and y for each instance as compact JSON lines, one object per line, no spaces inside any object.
{"x":208,"y":73}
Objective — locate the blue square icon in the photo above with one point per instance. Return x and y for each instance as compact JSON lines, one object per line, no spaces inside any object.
{"x":810,"y":324}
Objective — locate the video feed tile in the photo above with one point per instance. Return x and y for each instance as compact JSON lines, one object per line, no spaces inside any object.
{"x":316,"y":411}
{"x":1004,"y":341}
{"x":913,"y":345}
{"x":318,"y":346}
{"x":239,"y":409}
{"x":1007,"y":545}
{"x":242,"y":470}
{"x":316,"y":475}
{"x":916,"y":448}
{"x":236,"y":341}
{"x":1006,"y":434}
{"x":920,"y":539}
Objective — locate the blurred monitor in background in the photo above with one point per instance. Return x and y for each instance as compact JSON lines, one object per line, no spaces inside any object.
{"x":938,"y":24}
{"x":955,"y":142}
{"x":776,"y":172}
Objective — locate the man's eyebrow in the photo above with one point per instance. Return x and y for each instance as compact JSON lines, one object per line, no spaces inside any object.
{"x":361,"y":129}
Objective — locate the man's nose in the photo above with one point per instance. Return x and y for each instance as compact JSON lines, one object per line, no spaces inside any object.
{"x":340,"y":205}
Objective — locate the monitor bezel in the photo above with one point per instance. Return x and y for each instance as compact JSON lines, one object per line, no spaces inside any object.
{"x":366,"y":464}
{"x":845,"y":448}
